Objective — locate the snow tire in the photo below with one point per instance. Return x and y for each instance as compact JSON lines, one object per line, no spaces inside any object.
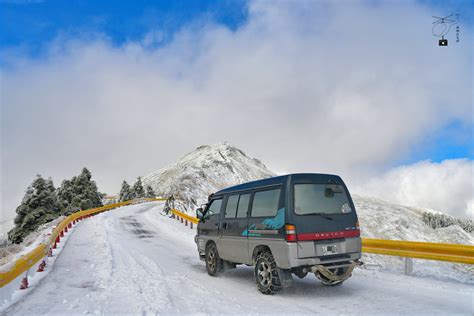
{"x":213,"y":261}
{"x":266,"y":274}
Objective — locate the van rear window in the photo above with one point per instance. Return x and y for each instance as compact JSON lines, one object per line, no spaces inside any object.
{"x":320,"y":199}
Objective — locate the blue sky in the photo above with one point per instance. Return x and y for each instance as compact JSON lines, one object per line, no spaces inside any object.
{"x":32,"y":24}
{"x":349,"y":100}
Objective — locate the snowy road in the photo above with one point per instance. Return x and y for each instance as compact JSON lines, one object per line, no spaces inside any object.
{"x":133,"y":260}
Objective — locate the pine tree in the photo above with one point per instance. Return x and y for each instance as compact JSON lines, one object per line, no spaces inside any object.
{"x":78,"y":193}
{"x":149,"y":192}
{"x":137,"y":190}
{"x":37,"y":207}
{"x":125,"y":192}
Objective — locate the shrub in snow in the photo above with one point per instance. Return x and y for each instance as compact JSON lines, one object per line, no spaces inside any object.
{"x":441,"y":220}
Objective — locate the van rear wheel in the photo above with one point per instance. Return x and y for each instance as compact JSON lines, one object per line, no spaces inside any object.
{"x":213,"y":261}
{"x":266,"y":273}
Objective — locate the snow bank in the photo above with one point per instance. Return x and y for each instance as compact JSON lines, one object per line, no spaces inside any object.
{"x":11,"y":293}
{"x":10,"y":253}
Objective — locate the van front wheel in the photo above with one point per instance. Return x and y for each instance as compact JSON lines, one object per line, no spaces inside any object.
{"x":266,"y":273}
{"x":213,"y":261}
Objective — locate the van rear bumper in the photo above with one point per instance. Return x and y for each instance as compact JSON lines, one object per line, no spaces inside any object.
{"x":291,"y":255}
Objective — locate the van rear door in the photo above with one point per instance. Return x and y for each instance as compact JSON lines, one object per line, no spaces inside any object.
{"x":324,"y":216}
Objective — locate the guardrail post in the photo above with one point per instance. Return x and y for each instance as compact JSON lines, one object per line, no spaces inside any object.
{"x":191,"y":225}
{"x":181,"y":219}
{"x":408,"y":266}
{"x":186,"y":223}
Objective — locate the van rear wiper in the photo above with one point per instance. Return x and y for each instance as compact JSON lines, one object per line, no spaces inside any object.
{"x":324,"y":215}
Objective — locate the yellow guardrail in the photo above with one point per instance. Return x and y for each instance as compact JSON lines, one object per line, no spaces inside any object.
{"x":28,"y":260}
{"x":400,"y":248}
{"x":420,"y":250}
{"x":185,"y":216}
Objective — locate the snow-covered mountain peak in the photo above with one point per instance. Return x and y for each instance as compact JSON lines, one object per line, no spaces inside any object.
{"x":222,"y":152}
{"x":203,"y":171}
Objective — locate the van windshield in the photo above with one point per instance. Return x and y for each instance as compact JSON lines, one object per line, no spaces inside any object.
{"x":320,"y":199}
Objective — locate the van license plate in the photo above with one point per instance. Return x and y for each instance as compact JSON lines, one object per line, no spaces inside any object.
{"x":329,"y":249}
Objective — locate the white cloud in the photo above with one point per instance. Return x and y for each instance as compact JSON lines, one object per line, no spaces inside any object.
{"x":314,"y":86}
{"x":446,"y":186}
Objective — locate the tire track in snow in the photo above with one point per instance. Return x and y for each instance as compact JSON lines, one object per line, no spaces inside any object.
{"x":126,"y":274}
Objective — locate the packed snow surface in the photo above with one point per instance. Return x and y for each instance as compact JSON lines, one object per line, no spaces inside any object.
{"x":133,"y":260}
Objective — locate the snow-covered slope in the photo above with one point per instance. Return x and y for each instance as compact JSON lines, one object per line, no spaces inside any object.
{"x":384,"y":220}
{"x":203,"y":171}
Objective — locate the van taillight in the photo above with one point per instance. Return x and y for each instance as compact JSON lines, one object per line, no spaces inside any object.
{"x":290,"y":232}
{"x":357,"y":225}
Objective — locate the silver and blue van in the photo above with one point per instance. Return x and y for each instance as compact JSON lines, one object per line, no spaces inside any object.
{"x":291,"y":224}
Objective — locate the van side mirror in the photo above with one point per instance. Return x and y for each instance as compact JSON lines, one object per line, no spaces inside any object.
{"x":199,"y":213}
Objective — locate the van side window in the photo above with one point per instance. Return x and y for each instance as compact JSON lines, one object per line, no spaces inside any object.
{"x":215,"y":207}
{"x":265,"y":203}
{"x":231,"y":208}
{"x":243,"y":205}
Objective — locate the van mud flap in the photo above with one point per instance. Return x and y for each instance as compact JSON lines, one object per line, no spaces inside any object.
{"x":286,"y":280}
{"x":319,"y":270}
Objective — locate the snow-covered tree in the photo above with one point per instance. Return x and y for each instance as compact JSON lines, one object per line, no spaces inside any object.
{"x":37,"y":207}
{"x":137,"y":190}
{"x":149,"y":192}
{"x":125,"y":192}
{"x":78,"y":193}
{"x":441,"y":220}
